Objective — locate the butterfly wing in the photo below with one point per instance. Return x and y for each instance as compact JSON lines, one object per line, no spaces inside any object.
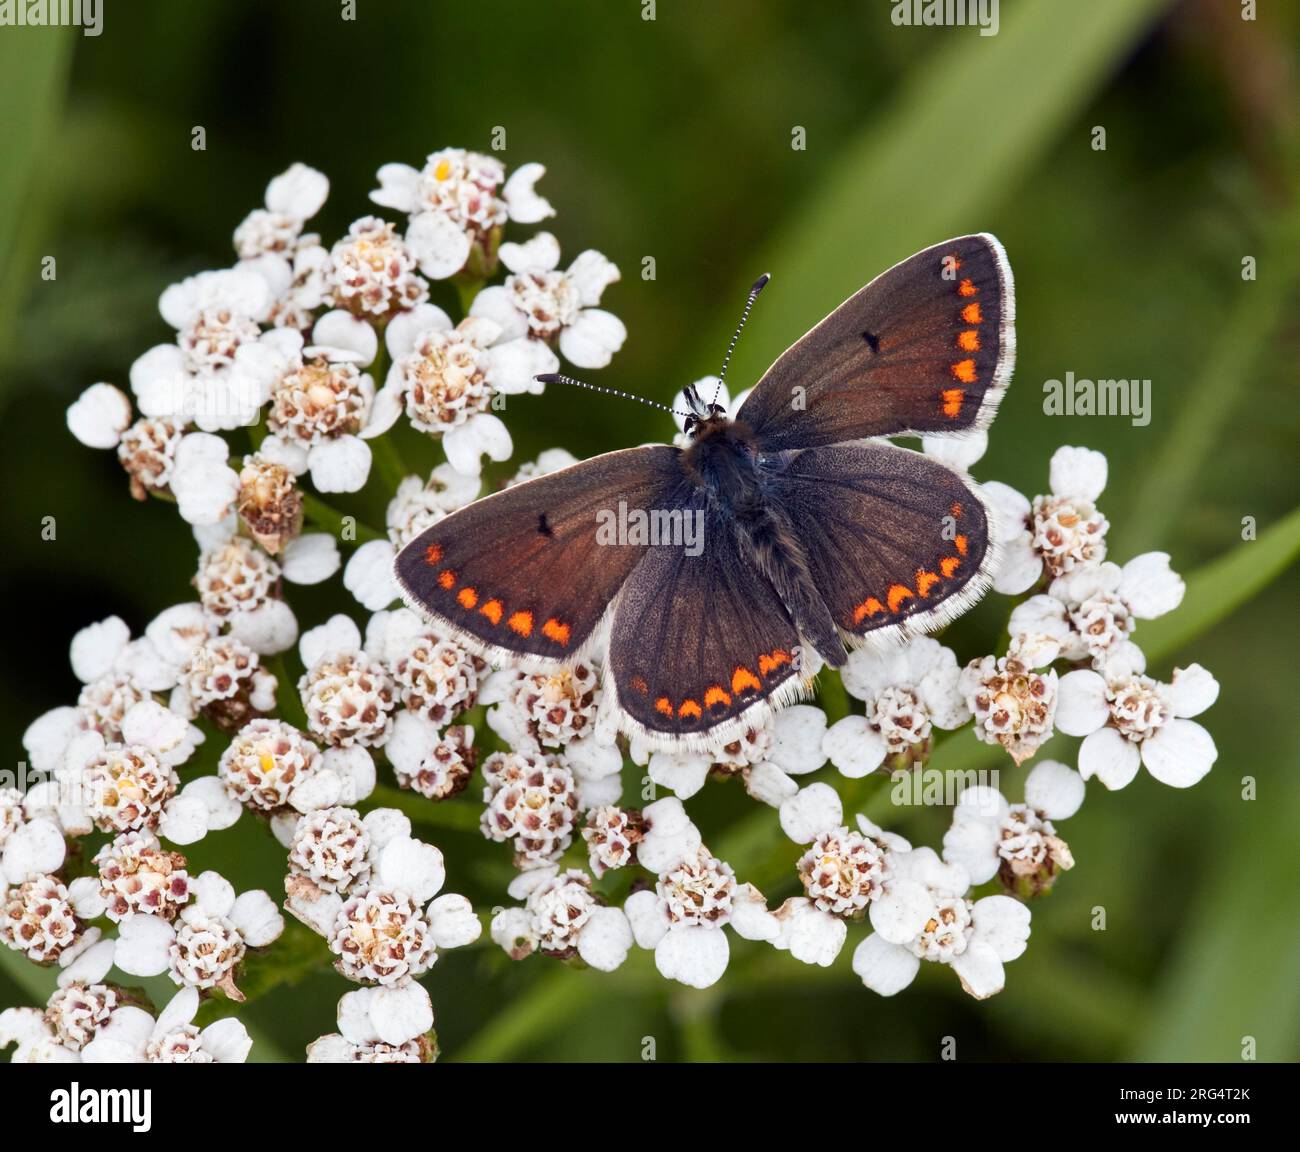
{"x":700,"y":645}
{"x":897,"y":543}
{"x":927,"y":347}
{"x":527,"y":574}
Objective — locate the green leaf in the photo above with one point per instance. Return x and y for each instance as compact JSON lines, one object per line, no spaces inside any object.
{"x":970,"y":121}
{"x":33,"y":76}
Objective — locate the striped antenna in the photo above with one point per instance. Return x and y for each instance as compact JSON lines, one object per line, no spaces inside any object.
{"x":556,"y":378}
{"x":759,"y":285}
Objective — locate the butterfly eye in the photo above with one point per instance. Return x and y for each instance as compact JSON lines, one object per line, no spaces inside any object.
{"x":691,"y":422}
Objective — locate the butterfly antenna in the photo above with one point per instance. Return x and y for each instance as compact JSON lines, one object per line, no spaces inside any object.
{"x":556,"y":378}
{"x":759,"y":285}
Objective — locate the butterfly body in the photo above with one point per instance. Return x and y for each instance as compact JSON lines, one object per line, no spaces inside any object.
{"x":808,"y":532}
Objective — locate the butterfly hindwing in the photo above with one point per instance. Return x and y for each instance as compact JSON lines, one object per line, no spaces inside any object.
{"x":926,"y":347}
{"x":527,"y":574}
{"x":700,"y":644}
{"x":897,"y":543}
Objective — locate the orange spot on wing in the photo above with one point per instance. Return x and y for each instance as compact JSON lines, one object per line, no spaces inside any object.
{"x":948,"y":565}
{"x":493,"y":611}
{"x":664,"y":706}
{"x":968,"y":341}
{"x":925,"y":581}
{"x":467,"y":597}
{"x":691,"y":709}
{"x":743,"y":680}
{"x":952,"y":398}
{"x":769,"y":662}
{"x":964,"y":370}
{"x":521,"y":622}
{"x":639,"y":684}
{"x":971,"y":314}
{"x":433,"y":555}
{"x":447,"y":579}
{"x":955,"y":510}
{"x":967,"y":288}
{"x":961,"y":544}
{"x":897,"y":594}
{"x":716,"y":696}
{"x":869,"y":607}
{"x":554,"y":630}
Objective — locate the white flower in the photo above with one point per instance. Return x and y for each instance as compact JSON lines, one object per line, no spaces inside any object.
{"x":975,"y":938}
{"x":208,"y":940}
{"x":1057,"y":531}
{"x":695,"y":897}
{"x":1132,"y":720}
{"x":959,"y":452}
{"x":1092,"y":610}
{"x":371,"y":271}
{"x":416,"y":506}
{"x":532,"y":800}
{"x":454,"y":208}
{"x":562,"y":917}
{"x":31,"y":841}
{"x":989,"y":837}
{"x":447,"y":377}
{"x":390,"y":929}
{"x":907,"y":691}
{"x":384,"y":1025}
{"x":132,"y":1036}
{"x":99,"y":416}
{"x":348,"y":695}
{"x":845,"y":873}
{"x":137,"y":876}
{"x":612,"y":835}
{"x":292,"y":198}
{"x":789,"y":743}
{"x":555,"y":307}
{"x":1013,"y":704}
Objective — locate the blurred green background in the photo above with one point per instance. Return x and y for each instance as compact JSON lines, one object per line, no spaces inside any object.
{"x":671,"y":138}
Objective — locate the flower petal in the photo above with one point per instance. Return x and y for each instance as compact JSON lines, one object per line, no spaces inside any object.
{"x":1078,"y":473}
{"x":592,"y":339}
{"x":99,"y":416}
{"x":1111,"y":758}
{"x":1180,"y":754}
{"x":1054,"y":789}
{"x":883,"y":967}
{"x":693,"y":955}
{"x":1081,"y":706}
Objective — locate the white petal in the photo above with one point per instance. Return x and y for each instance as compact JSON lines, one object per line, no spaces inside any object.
{"x":413,"y":867}
{"x":401,"y":1014}
{"x":750,"y":917}
{"x":1020,"y":566}
{"x":1003,"y":924}
{"x":36,"y":848}
{"x":87,"y":898}
{"x":512,"y":365}
{"x":452,"y":921}
{"x":1150,"y":587}
{"x":92,"y":965}
{"x":669,"y":838}
{"x":212,"y":893}
{"x":512,"y":931}
{"x":160,"y":382}
{"x":337,"y":635}
{"x":257,"y":918}
{"x":290,"y":454}
{"x":593,"y":759}
{"x":154,"y":726}
{"x":1111,"y":758}
{"x":99,"y":416}
{"x":227,"y":1041}
{"x":682,"y":773}
{"x":341,"y":465}
{"x":605,"y":939}
{"x":269,"y":629}
{"x":47,"y":736}
{"x":347,"y":336}
{"x":299,"y":191}
{"x":901,"y":911}
{"x":797,"y":733}
{"x":883,"y":967}
{"x":648,"y":917}
{"x":694,"y":956}
{"x":1081,"y":705}
{"x":1054,"y":789}
{"x":1180,"y":754}
{"x":810,"y":935}
{"x":332,"y":1048}
{"x":979,"y":970}
{"x":812,"y":811}
{"x":973,"y":844}
{"x":767,"y":784}
{"x":1193,"y":690}
{"x":369,"y":575}
{"x":526,"y":206}
{"x":959,"y":452}
{"x":854,"y":747}
{"x":223,"y":809}
{"x":97,"y":646}
{"x":142,"y":945}
{"x":398,"y":187}
{"x":354,"y":767}
{"x":591,"y":273}
{"x":497,"y":304}
{"x":541,"y":254}
{"x":1078,"y":472}
{"x":184,"y":820}
{"x":592,"y":339}
{"x":310,"y":559}
{"x":438,"y":243}
{"x":204,"y":485}
{"x":405,"y":329}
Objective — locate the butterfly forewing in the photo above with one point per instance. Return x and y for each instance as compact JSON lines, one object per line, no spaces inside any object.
{"x":697,"y":642}
{"x":927,"y":347}
{"x":530,"y":571}
{"x":896,"y":542}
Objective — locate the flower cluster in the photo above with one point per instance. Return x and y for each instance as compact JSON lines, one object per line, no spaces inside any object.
{"x":285,"y":375}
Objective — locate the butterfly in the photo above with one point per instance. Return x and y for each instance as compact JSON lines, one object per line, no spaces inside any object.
{"x":811,"y":534}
